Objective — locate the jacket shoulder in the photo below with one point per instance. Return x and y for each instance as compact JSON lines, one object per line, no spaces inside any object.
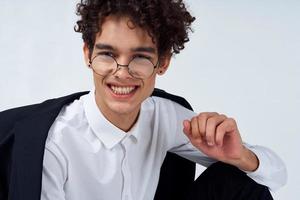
{"x":178,"y":99}
{"x":10,"y":116}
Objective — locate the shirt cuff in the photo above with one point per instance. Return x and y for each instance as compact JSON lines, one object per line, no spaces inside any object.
{"x":261,"y":169}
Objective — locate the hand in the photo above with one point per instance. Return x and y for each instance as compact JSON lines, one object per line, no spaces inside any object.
{"x":218,"y":137}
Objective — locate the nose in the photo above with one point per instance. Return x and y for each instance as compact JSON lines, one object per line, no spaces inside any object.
{"x":122,"y":72}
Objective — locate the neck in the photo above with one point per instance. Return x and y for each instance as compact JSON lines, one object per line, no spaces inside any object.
{"x":124,"y":121}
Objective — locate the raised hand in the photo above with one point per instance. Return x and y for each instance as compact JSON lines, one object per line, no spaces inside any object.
{"x":218,"y":137}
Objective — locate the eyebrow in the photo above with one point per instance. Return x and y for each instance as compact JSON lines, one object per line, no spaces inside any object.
{"x":101,"y":46}
{"x":144,"y":49}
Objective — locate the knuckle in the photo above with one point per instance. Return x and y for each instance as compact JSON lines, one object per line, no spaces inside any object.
{"x":231,"y":121}
{"x":220,"y":130}
{"x":211,"y":121}
{"x":195,"y":118}
{"x":202,"y":115}
{"x":223,"y":116}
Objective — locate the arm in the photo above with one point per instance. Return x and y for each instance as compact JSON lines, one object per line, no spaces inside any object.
{"x":54,"y":175}
{"x":218,"y":137}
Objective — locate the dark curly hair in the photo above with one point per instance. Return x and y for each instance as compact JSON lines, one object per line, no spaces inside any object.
{"x":167,"y":21}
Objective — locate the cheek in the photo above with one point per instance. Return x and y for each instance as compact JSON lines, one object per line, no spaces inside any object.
{"x":149,"y":85}
{"x":98,"y":81}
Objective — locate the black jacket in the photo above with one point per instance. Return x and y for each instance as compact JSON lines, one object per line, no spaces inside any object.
{"x":23,"y":132}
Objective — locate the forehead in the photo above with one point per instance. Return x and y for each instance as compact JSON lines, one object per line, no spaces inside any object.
{"x":122,"y":33}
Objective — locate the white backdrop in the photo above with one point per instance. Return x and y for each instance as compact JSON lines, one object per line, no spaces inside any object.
{"x":242,"y":60}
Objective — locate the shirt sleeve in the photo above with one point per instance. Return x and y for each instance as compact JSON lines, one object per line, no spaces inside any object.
{"x":54,"y":174}
{"x":271,"y":171}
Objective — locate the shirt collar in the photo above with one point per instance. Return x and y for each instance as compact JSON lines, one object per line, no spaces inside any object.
{"x":107,"y":133}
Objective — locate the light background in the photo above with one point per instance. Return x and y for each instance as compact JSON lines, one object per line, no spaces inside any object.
{"x":242,"y":60}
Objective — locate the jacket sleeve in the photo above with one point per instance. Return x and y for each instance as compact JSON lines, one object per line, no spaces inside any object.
{"x":6,"y":145}
{"x":8,"y":118}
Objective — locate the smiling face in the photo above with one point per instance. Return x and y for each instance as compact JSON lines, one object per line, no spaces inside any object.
{"x":119,"y":95}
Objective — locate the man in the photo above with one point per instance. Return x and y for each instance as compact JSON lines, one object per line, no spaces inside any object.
{"x":111,"y":142}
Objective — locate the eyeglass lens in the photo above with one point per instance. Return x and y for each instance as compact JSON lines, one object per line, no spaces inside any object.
{"x":138,"y":67}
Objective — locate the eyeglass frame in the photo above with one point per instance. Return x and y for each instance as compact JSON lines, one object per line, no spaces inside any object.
{"x":127,"y":66}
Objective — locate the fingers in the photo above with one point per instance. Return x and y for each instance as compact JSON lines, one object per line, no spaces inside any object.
{"x":227,"y":126}
{"x":202,"y":119}
{"x":195,"y":127}
{"x":186,"y":127}
{"x":210,"y":127}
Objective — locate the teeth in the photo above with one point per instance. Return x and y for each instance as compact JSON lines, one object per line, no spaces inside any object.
{"x":122,"y":90}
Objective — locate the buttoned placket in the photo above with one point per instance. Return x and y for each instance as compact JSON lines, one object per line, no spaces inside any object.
{"x":126,"y":192}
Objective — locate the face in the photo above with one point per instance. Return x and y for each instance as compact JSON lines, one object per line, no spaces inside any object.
{"x":118,"y":94}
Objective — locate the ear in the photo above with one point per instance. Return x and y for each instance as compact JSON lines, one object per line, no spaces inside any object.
{"x":164,"y":63}
{"x":86,"y":53}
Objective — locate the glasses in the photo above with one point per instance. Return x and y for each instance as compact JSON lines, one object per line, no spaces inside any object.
{"x":139,"y":67}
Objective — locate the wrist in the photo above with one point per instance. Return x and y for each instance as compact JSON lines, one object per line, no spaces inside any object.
{"x":247,"y":162}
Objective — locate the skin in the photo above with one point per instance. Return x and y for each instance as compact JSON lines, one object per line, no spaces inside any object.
{"x":214,"y":134}
{"x":217,"y":136}
{"x":123,"y":43}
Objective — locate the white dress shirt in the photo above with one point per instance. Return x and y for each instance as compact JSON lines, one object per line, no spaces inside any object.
{"x":88,"y":158}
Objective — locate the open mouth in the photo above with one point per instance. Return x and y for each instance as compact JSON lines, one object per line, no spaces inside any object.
{"x":122,"y":90}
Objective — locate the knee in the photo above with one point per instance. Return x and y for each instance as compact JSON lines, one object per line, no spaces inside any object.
{"x":223,"y":171}
{"x":230,"y":182}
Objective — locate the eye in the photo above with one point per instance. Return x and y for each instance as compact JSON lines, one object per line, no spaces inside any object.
{"x":141,"y":56}
{"x":106,"y":53}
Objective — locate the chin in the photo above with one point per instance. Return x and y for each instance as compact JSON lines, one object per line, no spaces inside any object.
{"x":124,"y":108}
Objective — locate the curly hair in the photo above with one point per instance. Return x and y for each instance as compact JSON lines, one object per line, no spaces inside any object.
{"x":168,"y":22}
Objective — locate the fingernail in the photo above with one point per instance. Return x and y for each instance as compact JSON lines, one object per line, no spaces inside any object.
{"x":210,"y":143}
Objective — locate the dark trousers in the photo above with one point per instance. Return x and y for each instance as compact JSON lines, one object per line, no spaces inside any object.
{"x":225,"y":182}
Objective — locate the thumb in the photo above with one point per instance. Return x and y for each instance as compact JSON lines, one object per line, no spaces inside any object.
{"x":187,"y":127}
